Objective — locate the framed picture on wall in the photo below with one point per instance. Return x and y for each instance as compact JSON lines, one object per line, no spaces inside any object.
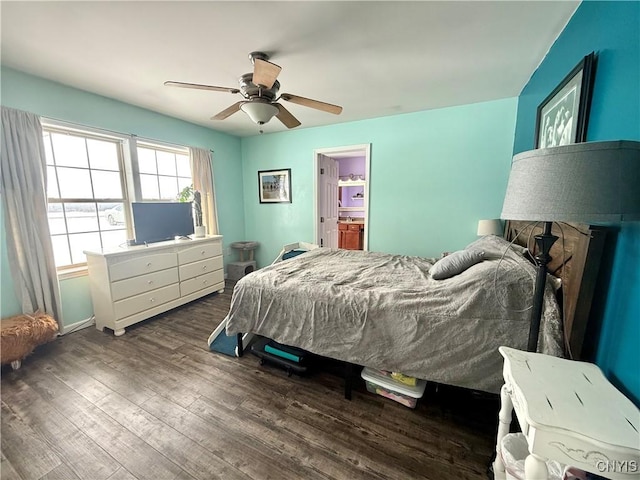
{"x":274,"y":186}
{"x":562,"y":116}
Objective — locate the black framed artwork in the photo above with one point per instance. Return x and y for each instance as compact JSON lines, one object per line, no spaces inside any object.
{"x":274,"y":186}
{"x":562,"y":117}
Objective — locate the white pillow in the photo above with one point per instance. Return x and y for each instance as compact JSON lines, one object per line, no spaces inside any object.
{"x":455,"y":263}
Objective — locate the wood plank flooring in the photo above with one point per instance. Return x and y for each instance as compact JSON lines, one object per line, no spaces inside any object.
{"x":157,"y":404}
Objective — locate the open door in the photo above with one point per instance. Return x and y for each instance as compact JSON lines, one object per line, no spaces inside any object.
{"x":327,"y":164}
{"x":327,"y":214}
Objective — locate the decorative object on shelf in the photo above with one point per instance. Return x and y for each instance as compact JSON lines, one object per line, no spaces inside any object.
{"x":352,"y":177}
{"x":584,"y":182}
{"x":490,"y":227}
{"x":274,"y":186}
{"x":562,"y":116}
{"x":188,"y":194}
{"x":200,"y":230}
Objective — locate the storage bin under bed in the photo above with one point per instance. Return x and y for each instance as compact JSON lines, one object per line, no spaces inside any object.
{"x":389,"y":388}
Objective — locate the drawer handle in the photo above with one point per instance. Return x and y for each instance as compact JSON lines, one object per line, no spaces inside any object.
{"x":204,"y":282}
{"x":150,"y":282}
{"x":204,"y":267}
{"x":152,"y":299}
{"x":203,"y":252}
{"x":149,"y":264}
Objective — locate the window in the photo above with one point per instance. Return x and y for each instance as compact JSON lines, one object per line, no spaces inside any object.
{"x":90,"y":187}
{"x":164,"y":172}
{"x":84,"y":183}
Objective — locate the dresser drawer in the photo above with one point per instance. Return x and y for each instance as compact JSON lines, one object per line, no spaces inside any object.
{"x":199,"y":283}
{"x":142,"y":265}
{"x":202,"y":267}
{"x":145,"y":301}
{"x":199,"y":252}
{"x":143,"y":283}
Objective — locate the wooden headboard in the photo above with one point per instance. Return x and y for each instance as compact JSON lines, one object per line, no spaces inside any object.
{"x":576,"y":258}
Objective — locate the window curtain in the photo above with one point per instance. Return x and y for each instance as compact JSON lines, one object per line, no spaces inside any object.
{"x":24,"y":199}
{"x":202,"y":173}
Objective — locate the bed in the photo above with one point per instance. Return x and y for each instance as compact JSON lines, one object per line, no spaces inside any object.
{"x":387,"y":312}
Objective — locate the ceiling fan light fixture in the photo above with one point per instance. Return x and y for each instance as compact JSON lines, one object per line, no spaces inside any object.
{"x":259,"y":112}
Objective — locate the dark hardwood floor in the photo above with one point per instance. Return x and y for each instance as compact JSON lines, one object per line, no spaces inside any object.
{"x":157,"y":404}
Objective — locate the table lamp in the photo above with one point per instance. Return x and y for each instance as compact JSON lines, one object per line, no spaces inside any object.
{"x":588,"y":182}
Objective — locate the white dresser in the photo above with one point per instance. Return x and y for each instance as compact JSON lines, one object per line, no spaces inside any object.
{"x":131,"y":284}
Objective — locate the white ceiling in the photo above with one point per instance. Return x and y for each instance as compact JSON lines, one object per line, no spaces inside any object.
{"x":373,"y":58}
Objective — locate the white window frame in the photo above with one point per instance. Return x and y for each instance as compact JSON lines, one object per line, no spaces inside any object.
{"x":158,"y":146}
{"x":128,"y":169}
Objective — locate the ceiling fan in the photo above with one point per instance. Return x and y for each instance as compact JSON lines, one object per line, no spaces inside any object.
{"x":260,"y":91}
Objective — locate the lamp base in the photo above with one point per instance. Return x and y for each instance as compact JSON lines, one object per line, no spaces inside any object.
{"x":544,"y":242}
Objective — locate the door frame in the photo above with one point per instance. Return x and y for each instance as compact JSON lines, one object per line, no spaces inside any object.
{"x":338,"y":153}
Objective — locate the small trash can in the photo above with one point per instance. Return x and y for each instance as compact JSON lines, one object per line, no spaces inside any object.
{"x":514,"y":451}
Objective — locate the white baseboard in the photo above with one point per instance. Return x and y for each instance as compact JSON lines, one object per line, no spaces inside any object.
{"x":74,"y":327}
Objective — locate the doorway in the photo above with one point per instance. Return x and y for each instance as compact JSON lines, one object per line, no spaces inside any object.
{"x":342,"y":180}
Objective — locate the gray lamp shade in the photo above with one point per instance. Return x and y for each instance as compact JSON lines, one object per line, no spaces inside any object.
{"x":582,"y":182}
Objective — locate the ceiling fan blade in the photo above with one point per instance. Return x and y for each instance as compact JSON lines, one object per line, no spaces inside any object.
{"x":201,"y":87}
{"x":227,"y":112}
{"x":286,"y":118}
{"x":307,"y":102}
{"x":265,"y":73}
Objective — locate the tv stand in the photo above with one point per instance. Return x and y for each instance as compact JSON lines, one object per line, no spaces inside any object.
{"x":133,"y":283}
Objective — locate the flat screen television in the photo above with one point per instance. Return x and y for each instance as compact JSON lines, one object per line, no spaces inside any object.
{"x":159,"y":221}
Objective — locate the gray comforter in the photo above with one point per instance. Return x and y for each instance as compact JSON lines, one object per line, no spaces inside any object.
{"x":385,"y":311}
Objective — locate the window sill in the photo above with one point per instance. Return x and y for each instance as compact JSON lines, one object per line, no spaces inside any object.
{"x":73,"y":272}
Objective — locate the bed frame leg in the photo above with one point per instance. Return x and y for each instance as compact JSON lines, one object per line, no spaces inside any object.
{"x":348,"y":380}
{"x":239,"y":349}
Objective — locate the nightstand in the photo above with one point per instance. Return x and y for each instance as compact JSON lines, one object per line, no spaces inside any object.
{"x":568,"y":412}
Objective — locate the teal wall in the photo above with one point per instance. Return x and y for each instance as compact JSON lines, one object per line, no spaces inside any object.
{"x":612,"y":30}
{"x":433,"y":175}
{"x":53,"y":100}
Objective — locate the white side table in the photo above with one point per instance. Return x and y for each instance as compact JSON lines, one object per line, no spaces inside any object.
{"x":568,"y":412}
